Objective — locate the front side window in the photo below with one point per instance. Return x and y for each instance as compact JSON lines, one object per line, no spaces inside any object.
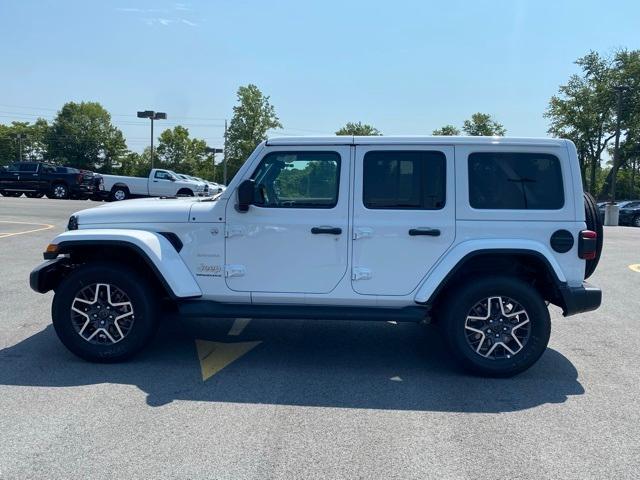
{"x":517,"y":181}
{"x":404,"y":180}
{"x":297,"y":180}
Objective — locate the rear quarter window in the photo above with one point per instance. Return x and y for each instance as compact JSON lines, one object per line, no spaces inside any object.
{"x":515,"y":181}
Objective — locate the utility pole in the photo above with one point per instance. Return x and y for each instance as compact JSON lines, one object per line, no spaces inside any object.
{"x":224,"y":159}
{"x":611,"y":212}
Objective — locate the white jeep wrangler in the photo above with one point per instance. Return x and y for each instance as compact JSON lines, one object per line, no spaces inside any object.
{"x":475,"y":234}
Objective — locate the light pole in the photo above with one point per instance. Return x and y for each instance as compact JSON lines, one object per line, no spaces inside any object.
{"x":151,"y":115}
{"x":213,"y":159}
{"x":19,"y":137}
{"x":611,"y":211}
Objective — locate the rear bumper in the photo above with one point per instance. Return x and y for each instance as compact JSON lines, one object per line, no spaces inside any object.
{"x":584,"y":298}
{"x":47,"y":275}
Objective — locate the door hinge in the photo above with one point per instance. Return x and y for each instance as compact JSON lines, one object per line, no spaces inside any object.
{"x":234,"y":231}
{"x":234,"y":271}
{"x":361,"y":273}
{"x":362,"y":232}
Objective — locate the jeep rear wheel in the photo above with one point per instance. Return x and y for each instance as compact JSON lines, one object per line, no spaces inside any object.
{"x":636,"y":221}
{"x":496,"y":327}
{"x":104,"y":312}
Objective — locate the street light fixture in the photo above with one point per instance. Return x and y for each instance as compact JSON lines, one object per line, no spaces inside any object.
{"x":151,"y":115}
{"x":213,"y":160}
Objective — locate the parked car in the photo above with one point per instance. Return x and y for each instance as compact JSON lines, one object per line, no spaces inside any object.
{"x":160,"y":183}
{"x":621,"y":204}
{"x":199,"y":181}
{"x":36,"y":179}
{"x":630,"y":214}
{"x":214,"y":188}
{"x":475,"y":234}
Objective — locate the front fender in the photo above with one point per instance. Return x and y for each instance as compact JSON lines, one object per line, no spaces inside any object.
{"x":463,"y":250}
{"x":154,"y":248}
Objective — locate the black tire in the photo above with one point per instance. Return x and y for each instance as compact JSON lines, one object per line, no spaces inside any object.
{"x":11,"y":194}
{"x":119,"y":193}
{"x":34,"y":194}
{"x":458,"y":306}
{"x":59,"y":191}
{"x":185,"y":192}
{"x":123,"y":278}
{"x":636,"y":221}
{"x":594,"y":223}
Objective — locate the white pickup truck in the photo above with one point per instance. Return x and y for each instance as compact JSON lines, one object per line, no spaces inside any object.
{"x":160,"y":183}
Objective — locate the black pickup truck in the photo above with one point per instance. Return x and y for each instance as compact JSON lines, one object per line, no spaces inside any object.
{"x":36,"y":179}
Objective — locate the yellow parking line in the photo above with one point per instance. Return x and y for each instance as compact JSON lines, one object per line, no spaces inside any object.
{"x":43,"y":226}
{"x":635,"y":267}
{"x":214,"y":356}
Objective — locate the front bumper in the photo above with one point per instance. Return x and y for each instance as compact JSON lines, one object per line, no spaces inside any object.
{"x":584,"y":298}
{"x":47,"y":275}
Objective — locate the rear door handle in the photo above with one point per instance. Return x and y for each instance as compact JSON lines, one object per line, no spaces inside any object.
{"x":431,"y":232}
{"x":326,"y":230}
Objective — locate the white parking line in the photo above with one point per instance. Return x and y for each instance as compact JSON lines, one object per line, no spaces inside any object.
{"x":238,"y":326}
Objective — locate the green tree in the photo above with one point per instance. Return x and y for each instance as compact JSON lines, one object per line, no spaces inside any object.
{"x":481,"y":124}
{"x":34,"y":137}
{"x":447,"y":130}
{"x":252,"y":117}
{"x":359,"y":128}
{"x":178,"y":151}
{"x":135,"y":164}
{"x":582,"y":112}
{"x":83,"y":136}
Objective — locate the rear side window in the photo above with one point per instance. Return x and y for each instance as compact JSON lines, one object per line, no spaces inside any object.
{"x":404,"y":180}
{"x":28,"y":167}
{"x":515,"y":181}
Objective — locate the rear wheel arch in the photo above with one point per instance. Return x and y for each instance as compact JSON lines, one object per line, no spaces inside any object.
{"x":528,"y":265}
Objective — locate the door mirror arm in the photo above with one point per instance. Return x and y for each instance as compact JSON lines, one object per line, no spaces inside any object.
{"x":246,"y":192}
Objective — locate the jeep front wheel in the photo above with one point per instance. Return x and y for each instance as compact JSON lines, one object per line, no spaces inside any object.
{"x":496,"y":327}
{"x":104,"y":312}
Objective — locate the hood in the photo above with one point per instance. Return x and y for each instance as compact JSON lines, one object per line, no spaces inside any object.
{"x":147,"y":210}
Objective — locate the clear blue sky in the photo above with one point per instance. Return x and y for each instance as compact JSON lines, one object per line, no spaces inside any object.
{"x":405,"y":67}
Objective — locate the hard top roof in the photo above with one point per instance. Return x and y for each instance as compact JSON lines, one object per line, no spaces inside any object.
{"x":414,"y":140}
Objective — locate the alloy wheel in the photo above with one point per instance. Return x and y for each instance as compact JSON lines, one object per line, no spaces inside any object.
{"x":497,"y":328}
{"x":102,"y":314}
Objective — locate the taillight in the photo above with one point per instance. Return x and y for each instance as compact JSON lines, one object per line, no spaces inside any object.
{"x":79,"y":178}
{"x":587,"y":244}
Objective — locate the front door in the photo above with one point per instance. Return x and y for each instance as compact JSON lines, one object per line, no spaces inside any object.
{"x":294,"y":238}
{"x":403,"y":215}
{"x":162,"y":184}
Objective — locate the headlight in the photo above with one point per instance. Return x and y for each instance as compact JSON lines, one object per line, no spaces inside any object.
{"x":73,"y":223}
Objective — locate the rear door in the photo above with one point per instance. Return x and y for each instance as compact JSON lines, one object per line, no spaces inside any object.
{"x":403,"y":215}
{"x":29,"y":176}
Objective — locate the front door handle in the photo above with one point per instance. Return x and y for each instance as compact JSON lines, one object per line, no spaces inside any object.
{"x":326,"y":230}
{"x":431,"y":232}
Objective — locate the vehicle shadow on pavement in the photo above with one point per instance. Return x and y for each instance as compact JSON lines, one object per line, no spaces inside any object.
{"x":307,"y":363}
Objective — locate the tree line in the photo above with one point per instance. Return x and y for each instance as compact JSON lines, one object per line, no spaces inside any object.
{"x":584,"y":110}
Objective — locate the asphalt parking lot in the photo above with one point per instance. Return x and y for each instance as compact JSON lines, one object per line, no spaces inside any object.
{"x":237,"y":399}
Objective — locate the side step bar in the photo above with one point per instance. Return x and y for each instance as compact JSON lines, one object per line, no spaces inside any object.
{"x":207,"y":308}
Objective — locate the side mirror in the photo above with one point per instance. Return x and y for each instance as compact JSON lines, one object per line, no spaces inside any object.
{"x":246,"y":192}
{"x":173,"y":179}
